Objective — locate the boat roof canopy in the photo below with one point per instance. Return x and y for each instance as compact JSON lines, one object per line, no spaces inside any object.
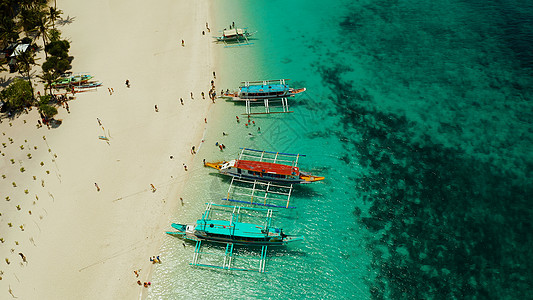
{"x":265,"y":88}
{"x":266,"y":167}
{"x":224,"y":227}
{"x":234,"y":31}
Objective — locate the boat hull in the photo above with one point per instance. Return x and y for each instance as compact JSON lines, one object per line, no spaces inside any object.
{"x":189,"y":232}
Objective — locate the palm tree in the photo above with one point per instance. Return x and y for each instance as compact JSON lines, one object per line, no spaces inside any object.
{"x":54,"y":15}
{"x":9,"y":31}
{"x":48,"y":78}
{"x":35,"y":20}
{"x":25,"y":61}
{"x":42,"y":23}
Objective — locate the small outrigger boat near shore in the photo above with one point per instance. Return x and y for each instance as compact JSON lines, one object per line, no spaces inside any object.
{"x":231,"y":232}
{"x":234,"y":36}
{"x":266,"y":89}
{"x":261,"y":170}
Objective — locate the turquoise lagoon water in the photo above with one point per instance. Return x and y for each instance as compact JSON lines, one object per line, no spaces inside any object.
{"x":419,"y":116}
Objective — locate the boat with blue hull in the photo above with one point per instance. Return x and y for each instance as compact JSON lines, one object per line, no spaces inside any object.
{"x":232,"y":231}
{"x":265,"y":89}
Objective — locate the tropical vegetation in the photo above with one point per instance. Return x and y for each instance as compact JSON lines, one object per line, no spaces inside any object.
{"x":25,"y":22}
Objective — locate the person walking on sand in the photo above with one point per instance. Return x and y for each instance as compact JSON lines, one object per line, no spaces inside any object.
{"x":23,"y":257}
{"x":99,"y":123}
{"x":66,"y":106}
{"x":182,"y":43}
{"x":185,"y":167}
{"x":181,"y":100}
{"x":156,"y":109}
{"x":214,"y":75}
{"x":97,"y":187}
{"x":192,"y":96}
{"x":127,"y":83}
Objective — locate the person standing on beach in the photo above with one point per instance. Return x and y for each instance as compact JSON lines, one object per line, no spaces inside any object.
{"x":127,"y":83}
{"x":66,"y":106}
{"x":214,"y":75}
{"x":97,"y":187}
{"x":181,"y":100}
{"x":182,"y":43}
{"x":185,"y":167}
{"x":99,"y":123}
{"x":156,"y":109}
{"x":192,"y":96}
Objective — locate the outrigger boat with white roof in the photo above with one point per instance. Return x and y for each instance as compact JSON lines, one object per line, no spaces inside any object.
{"x":267,"y":91}
{"x":235,"y":36}
{"x":232,"y":231}
{"x":263,"y":178}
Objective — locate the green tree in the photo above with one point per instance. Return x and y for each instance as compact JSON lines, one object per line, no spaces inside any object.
{"x":18,"y":94}
{"x":58,"y":48}
{"x":56,"y":65}
{"x":59,"y":61}
{"x":48,"y":111}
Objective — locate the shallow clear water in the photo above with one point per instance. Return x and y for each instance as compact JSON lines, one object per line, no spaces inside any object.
{"x":419,"y":116}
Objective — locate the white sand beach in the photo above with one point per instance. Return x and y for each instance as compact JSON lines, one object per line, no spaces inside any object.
{"x":81,"y":243}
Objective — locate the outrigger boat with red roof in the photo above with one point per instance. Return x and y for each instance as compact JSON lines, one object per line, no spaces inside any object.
{"x":263,"y":178}
{"x":274,"y":171}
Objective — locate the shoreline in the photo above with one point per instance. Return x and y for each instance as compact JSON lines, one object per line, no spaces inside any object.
{"x":84,"y":243}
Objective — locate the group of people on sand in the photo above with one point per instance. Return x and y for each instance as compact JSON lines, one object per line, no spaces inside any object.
{"x":146,"y":283}
{"x":154,"y":259}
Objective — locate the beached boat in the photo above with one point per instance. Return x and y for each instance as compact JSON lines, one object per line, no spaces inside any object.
{"x":259,"y":169}
{"x":87,"y":85}
{"x":69,"y":79}
{"x":212,"y":227}
{"x":266,"y":89}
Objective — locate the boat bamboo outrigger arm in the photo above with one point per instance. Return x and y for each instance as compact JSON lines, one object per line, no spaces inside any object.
{"x":284,"y":106}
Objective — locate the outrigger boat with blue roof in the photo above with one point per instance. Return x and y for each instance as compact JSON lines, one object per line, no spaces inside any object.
{"x":232,"y":231}
{"x":263,"y":177}
{"x":267,"y":91}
